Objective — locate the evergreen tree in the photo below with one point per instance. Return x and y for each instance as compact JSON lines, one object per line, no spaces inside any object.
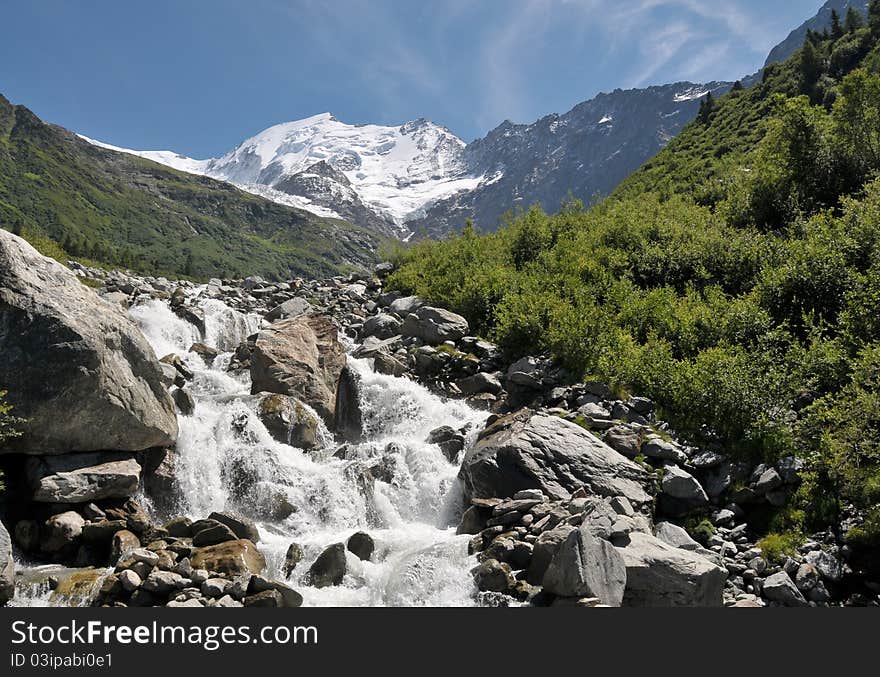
{"x":737,"y":86}
{"x":854,"y":20}
{"x":874,"y":17}
{"x":707,"y":107}
{"x":836,"y":27}
{"x":811,"y":65}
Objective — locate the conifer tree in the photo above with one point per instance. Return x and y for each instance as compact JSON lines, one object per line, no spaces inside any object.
{"x":854,"y":20}
{"x":811,"y":64}
{"x":836,"y":27}
{"x":874,"y":17}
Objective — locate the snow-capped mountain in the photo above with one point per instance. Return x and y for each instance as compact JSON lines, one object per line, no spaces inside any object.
{"x":419,"y":178}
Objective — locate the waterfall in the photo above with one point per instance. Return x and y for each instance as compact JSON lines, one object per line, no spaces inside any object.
{"x":227,"y":459}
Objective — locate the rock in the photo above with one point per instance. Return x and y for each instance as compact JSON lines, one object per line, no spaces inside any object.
{"x":683,"y":486}
{"x":382,"y":326}
{"x":122,"y":544}
{"x":658,"y":575}
{"x":289,"y":421}
{"x":101,"y":533}
{"x":330,"y":567}
{"x":434,"y":325}
{"x":807,"y":577}
{"x":290,"y":598}
{"x":289,"y":309}
{"x":388,"y":365}
{"x":62,"y":531}
{"x":180,"y":527}
{"x":404,"y":306}
{"x":215,"y":587}
{"x":587,"y":566}
{"x":534,"y":451}
{"x":170,"y":377}
{"x":767,"y":482}
{"x":267,"y":598}
{"x":479,"y":383}
{"x":361,"y":545}
{"x":545,"y":549}
{"x":184,"y":400}
{"x":186,"y":604}
{"x":80,"y":478}
{"x":211,"y":532}
{"x":145,"y":556}
{"x":624,"y":440}
{"x":162,"y":583}
{"x":78,"y":371}
{"x":780,"y":588}
{"x":300,"y":357}
{"x":656,"y":447}
{"x":450,"y":441}
{"x":674,"y":535}
{"x":241,"y":527}
{"x":207,"y":353}
{"x":494,"y":576}
{"x":348,"y":422}
{"x":293,"y":557}
{"x":473,"y":521}
{"x":232,"y":558}
{"x":7,"y":567}
{"x":526,"y":373}
{"x":829,"y":566}
{"x":129,"y":580}
{"x":27,"y":535}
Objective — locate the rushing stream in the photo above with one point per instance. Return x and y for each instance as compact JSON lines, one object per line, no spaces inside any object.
{"x":418,"y":559}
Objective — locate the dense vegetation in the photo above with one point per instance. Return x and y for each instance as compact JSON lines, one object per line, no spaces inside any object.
{"x":74,"y":200}
{"x":735,"y":279}
{"x":8,"y":425}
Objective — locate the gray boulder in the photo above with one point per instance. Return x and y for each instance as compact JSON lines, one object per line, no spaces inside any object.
{"x":330,"y":567}
{"x":289,"y":421}
{"x":348,"y":422}
{"x":674,"y":535}
{"x":292,"y":308}
{"x":382,"y":326}
{"x":683,"y":486}
{"x":7,"y":567}
{"x":435,"y":325}
{"x":533,"y":451}
{"x":658,"y":575}
{"x":77,"y":369}
{"x":81,"y":478}
{"x":781,"y":589}
{"x":587,"y":566}
{"x":301,"y":357}
{"x":406,"y":305}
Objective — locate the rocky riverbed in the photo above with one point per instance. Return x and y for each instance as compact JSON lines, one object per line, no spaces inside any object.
{"x":252,"y":443}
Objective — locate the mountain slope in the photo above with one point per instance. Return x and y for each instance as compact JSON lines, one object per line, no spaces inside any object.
{"x":795,"y":40}
{"x":114,"y":208}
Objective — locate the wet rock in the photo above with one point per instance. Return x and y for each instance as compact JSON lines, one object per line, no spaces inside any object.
{"x":211,"y":532}
{"x":267,"y":598}
{"x":241,"y":527}
{"x":184,"y":400}
{"x":122,"y":543}
{"x":129,"y":580}
{"x":300,"y":357}
{"x":207,"y":353}
{"x":450,"y":441}
{"x":180,"y":527}
{"x":80,"y":478}
{"x":348,"y":421}
{"x":533,"y":451}
{"x":62,"y":531}
{"x":494,"y":576}
{"x":293,"y":557}
{"x":289,"y":421}
{"x":101,"y":533}
{"x":361,"y":545}
{"x":330,"y":567}
{"x":78,"y":370}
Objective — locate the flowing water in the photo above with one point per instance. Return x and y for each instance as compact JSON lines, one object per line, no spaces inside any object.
{"x":227,"y":460}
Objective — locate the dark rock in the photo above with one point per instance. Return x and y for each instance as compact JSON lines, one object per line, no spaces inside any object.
{"x":330,"y":567}
{"x":361,"y":545}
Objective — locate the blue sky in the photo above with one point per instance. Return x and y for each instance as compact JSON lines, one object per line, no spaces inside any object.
{"x":199,"y":76}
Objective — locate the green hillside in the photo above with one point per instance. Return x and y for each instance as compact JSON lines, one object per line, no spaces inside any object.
{"x":735,"y":279}
{"x":71,"y":198}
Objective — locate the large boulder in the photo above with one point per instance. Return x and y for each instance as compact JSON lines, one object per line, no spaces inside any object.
{"x":7,"y":567}
{"x":659,"y":575}
{"x":292,"y":308}
{"x":349,"y":422}
{"x":302,"y":357}
{"x":533,"y":451}
{"x":78,"y":371}
{"x":587,"y":566}
{"x":435,"y":325}
{"x":81,"y":478}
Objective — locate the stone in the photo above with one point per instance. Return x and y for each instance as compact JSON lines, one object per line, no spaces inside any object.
{"x":807,"y":577}
{"x":241,"y":527}
{"x":768,"y":482}
{"x":122,"y":544}
{"x":27,"y":535}
{"x":289,"y":309}
{"x":658,"y":575}
{"x":232,"y":558}
{"x":81,"y":478}
{"x":361,"y":545}
{"x":451,"y":442}
{"x":587,"y":566}
{"x":301,"y":357}
{"x":7,"y":567}
{"x":162,"y":583}
{"x":148,"y":557}
{"x":348,"y":422}
{"x":383,"y":326}
{"x":656,"y":447}
{"x":545,"y":549}
{"x":781,"y":589}
{"x":211,"y":532}
{"x":207,"y":353}
{"x":534,"y":451}
{"x":330,"y":567}
{"x":186,"y":604}
{"x":388,"y":365}
{"x":129,"y":580}
{"x":62,"y":531}
{"x":293,"y":557}
{"x":179,"y":527}
{"x":434,"y":325}
{"x":185,"y":401}
{"x":79,"y":372}
{"x":674,"y":535}
{"x":480,"y":382}
{"x":403,"y":307}
{"x":624,"y":440}
{"x":289,"y":421}
{"x":267,"y":598}
{"x":473,"y":521}
{"x":494,"y":576}
{"x":831,"y":568}
{"x":526,"y":373}
{"x":215,"y":587}
{"x":683,"y":486}
{"x":101,"y":533}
